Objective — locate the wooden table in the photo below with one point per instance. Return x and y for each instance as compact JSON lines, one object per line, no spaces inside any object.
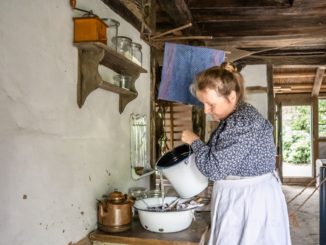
{"x":137,"y":235}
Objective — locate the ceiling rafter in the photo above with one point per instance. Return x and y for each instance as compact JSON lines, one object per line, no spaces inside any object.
{"x":318,"y":81}
{"x":180,"y":14}
{"x":286,"y":34}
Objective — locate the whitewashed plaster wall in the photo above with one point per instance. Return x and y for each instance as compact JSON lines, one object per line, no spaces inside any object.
{"x":55,"y":158}
{"x":256,"y":75}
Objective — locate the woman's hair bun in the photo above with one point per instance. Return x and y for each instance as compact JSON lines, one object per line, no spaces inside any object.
{"x":229,"y":66}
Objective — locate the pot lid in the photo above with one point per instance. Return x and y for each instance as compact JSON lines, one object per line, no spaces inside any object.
{"x":116,"y":197}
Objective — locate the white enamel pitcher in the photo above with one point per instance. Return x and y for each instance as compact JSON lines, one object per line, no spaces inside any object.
{"x":179,"y":167}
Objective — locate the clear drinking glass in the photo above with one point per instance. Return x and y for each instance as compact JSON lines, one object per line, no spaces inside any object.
{"x":123,"y":81}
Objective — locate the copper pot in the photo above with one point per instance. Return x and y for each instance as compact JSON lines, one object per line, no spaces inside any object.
{"x":115,"y":213}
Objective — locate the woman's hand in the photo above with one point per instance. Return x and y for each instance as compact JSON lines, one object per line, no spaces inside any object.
{"x":188,"y":136}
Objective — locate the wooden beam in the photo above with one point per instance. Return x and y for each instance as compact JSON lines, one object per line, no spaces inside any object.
{"x":234,"y":13}
{"x":176,"y":38}
{"x":293,"y":99}
{"x":134,"y":7}
{"x":200,"y":4}
{"x":285,"y":75}
{"x":256,"y":89}
{"x":307,"y":88}
{"x":298,"y":60}
{"x":124,"y":12}
{"x":172,"y":30}
{"x":318,"y":81}
{"x":171,"y":126}
{"x":177,"y":10}
{"x":121,"y":9}
{"x":254,"y":41}
{"x":315,"y":133}
{"x":227,"y":16}
{"x":180,"y":14}
{"x":270,"y":97}
{"x":260,"y":28}
{"x":154,"y":125}
{"x":292,"y":66}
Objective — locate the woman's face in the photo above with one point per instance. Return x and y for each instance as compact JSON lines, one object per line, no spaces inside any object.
{"x":217,"y":105}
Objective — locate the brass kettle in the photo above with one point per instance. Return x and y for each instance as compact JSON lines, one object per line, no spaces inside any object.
{"x":115,"y":212}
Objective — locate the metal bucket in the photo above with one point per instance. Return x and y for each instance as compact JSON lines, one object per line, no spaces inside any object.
{"x":179,"y":167}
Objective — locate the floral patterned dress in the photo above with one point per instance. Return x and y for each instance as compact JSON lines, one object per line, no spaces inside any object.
{"x":248,"y":206}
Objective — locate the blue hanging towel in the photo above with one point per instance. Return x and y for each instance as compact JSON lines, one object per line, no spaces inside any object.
{"x":181,"y":63}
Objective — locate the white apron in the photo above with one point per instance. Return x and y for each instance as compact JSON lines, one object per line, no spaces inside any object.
{"x":249,"y":211}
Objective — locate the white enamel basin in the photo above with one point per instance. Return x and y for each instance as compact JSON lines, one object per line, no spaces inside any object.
{"x":162,"y":222}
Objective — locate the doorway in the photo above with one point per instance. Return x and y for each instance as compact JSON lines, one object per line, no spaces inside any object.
{"x":294,"y":138}
{"x":296,"y":141}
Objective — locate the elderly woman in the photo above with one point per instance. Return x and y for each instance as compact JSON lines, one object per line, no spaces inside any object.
{"x":248,"y":206}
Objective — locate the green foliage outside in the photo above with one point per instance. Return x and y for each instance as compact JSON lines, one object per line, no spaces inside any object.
{"x":296,"y":134}
{"x":322,"y":117}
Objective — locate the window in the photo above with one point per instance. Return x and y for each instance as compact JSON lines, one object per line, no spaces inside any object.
{"x":322,"y":117}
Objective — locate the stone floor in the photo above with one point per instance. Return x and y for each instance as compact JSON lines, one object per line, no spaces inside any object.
{"x":295,"y":170}
{"x":306,"y":229}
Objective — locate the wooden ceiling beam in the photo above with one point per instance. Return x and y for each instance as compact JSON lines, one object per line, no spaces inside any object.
{"x":293,"y":86}
{"x":244,"y":29}
{"x":301,"y":60}
{"x":124,"y":12}
{"x":229,"y":16}
{"x":195,"y":5}
{"x":179,"y":13}
{"x":278,"y":41}
{"x":296,"y":88}
{"x":256,"y":89}
{"x":318,"y":81}
{"x":297,"y":75}
{"x":199,"y":4}
{"x":293,"y":66}
{"x":230,"y":13}
{"x":177,"y":10}
{"x":281,"y":52}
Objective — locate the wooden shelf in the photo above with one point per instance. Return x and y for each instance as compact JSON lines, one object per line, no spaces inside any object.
{"x":93,"y":54}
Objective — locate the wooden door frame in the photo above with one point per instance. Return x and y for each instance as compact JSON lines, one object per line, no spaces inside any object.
{"x":292,"y":100}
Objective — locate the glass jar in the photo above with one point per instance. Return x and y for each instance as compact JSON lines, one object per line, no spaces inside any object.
{"x":123,"y":81}
{"x":123,"y":45}
{"x":155,"y":193}
{"x":137,"y":193}
{"x":112,"y":32}
{"x":137,"y":55}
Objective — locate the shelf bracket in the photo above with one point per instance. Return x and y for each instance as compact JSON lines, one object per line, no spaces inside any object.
{"x":124,"y":100}
{"x":89,"y":78}
{"x":93,"y":54}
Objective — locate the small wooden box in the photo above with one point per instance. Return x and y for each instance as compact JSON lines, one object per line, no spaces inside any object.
{"x":89,"y":29}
